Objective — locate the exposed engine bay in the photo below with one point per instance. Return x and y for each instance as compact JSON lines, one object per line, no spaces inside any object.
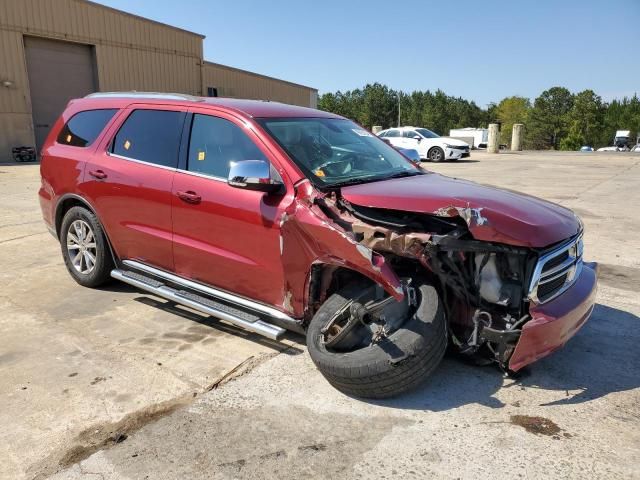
{"x":484,"y":286}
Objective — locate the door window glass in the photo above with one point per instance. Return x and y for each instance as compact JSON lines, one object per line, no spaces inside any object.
{"x":84,"y":127}
{"x":215,"y":143}
{"x":151,"y":136}
{"x":393,"y":133}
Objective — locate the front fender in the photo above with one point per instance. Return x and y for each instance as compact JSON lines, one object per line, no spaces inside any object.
{"x":308,"y":237}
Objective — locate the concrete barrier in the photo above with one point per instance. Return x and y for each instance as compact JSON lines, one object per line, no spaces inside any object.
{"x":516,"y":137}
{"x":493,"y":143}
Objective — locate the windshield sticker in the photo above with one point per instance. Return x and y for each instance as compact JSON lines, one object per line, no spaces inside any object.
{"x":361,"y":132}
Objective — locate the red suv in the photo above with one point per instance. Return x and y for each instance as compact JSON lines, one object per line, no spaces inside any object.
{"x":274,"y":217}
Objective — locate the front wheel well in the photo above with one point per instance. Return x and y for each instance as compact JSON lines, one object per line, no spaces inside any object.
{"x":326,"y":279}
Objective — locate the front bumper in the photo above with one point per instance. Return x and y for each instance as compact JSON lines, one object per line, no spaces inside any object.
{"x":455,"y":153}
{"x":553,"y":323}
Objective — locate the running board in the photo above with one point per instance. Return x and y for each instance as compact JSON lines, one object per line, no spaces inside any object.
{"x":213,"y":292}
{"x":237,"y":317}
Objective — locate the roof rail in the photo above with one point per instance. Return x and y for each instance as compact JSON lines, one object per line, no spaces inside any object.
{"x":135,"y":94}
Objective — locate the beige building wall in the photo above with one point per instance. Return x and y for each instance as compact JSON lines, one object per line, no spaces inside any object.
{"x":233,"y":82}
{"x":131,"y":53}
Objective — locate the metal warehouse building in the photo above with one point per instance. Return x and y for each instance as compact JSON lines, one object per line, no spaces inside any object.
{"x":55,"y":50}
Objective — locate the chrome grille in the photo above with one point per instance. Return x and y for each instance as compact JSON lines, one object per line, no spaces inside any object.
{"x":556,"y":271}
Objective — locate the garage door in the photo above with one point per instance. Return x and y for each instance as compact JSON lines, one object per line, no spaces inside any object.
{"x":58,"y":71}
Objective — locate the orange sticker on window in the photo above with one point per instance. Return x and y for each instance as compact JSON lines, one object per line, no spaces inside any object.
{"x":319,"y":173}
{"x":127,"y":144}
{"x":201,"y":156}
{"x":69,"y":138}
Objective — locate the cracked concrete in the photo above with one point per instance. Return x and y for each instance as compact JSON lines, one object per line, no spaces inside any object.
{"x":275,"y":416}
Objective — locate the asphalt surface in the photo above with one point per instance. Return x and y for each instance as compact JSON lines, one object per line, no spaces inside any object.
{"x":117,"y":384}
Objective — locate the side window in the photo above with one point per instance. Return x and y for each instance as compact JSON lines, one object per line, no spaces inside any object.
{"x":150,"y":136}
{"x":393,"y":133}
{"x":84,"y":127}
{"x":409,"y":134}
{"x":215,"y":143}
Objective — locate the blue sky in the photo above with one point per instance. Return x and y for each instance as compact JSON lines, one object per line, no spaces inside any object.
{"x":480,"y":50}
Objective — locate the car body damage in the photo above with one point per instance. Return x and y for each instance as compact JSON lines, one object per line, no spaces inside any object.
{"x":492,"y":214}
{"x":485,"y":284}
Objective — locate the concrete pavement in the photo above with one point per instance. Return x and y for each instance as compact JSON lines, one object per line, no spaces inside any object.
{"x":101,"y":383}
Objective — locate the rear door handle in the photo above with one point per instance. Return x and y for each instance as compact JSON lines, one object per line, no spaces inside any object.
{"x":99,"y":174}
{"x":189,"y":196}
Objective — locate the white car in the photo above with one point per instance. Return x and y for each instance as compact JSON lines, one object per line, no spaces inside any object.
{"x":429,"y":145}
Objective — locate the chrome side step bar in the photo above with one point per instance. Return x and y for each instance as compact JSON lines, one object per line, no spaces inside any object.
{"x":232,"y":315}
{"x":214,"y":292}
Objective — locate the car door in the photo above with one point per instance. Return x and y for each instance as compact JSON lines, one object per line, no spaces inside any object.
{"x":128,"y":182}
{"x":395,"y":137}
{"x":224,"y":236}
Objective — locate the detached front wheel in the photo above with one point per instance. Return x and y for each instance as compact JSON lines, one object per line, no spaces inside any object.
{"x":382,"y":354}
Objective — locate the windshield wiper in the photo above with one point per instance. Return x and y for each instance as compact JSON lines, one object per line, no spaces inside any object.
{"x":360,"y":180}
{"x":355,"y":181}
{"x":406,"y":173}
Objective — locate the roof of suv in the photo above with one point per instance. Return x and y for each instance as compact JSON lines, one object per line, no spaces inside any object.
{"x":250,"y":108}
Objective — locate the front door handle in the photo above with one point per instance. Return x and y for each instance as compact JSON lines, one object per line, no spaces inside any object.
{"x":99,"y":174}
{"x":189,"y":196}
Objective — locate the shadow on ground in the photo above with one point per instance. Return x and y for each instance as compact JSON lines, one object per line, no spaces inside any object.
{"x":602,"y":358}
{"x":220,"y":326}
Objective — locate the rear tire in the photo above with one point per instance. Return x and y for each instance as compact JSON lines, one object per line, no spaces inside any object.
{"x":84,"y":248}
{"x":398,"y":363}
{"x":436,"y":154}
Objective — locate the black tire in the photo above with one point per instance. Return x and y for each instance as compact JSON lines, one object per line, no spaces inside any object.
{"x":436,"y":154}
{"x":100,"y":273}
{"x":395,"y":365}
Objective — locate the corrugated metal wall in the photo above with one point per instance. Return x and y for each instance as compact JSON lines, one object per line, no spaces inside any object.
{"x":233,"y":82}
{"x":132,"y":53}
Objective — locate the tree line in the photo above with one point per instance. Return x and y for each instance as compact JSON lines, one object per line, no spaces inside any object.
{"x":557,"y":119}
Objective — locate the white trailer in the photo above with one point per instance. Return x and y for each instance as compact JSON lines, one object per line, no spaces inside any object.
{"x":476,"y":137}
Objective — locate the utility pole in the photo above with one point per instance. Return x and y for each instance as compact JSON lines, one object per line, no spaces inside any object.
{"x":399,"y":101}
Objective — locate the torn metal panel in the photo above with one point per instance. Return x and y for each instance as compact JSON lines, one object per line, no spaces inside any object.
{"x":309,"y":236}
{"x":472,"y":216}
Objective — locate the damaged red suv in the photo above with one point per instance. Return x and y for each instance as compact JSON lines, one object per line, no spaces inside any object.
{"x":273,"y":217}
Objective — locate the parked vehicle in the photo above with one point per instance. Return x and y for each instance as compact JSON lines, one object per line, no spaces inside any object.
{"x":430,"y":146}
{"x":586,"y":148}
{"x":273,"y":217}
{"x":622,"y":142}
{"x":608,"y":149}
{"x":410,"y":153}
{"x":23,"y":154}
{"x":479,"y":136}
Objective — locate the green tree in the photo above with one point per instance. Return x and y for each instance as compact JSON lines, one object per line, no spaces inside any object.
{"x":509,"y":111}
{"x":586,"y":120}
{"x":574,"y":139}
{"x":548,"y":122}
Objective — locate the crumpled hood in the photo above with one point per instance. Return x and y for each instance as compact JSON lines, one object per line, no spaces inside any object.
{"x":493,"y":214}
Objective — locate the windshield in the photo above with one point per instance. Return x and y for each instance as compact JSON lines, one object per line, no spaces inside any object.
{"x":334,"y":152}
{"x":427,"y":133}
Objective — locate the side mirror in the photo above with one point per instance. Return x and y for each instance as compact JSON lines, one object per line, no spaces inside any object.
{"x":253,"y":175}
{"x":417,"y":137}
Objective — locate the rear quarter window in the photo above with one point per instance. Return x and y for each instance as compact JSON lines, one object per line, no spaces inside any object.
{"x":84,"y":127}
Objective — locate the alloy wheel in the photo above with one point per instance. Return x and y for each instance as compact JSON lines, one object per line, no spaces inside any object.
{"x":81,"y":246}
